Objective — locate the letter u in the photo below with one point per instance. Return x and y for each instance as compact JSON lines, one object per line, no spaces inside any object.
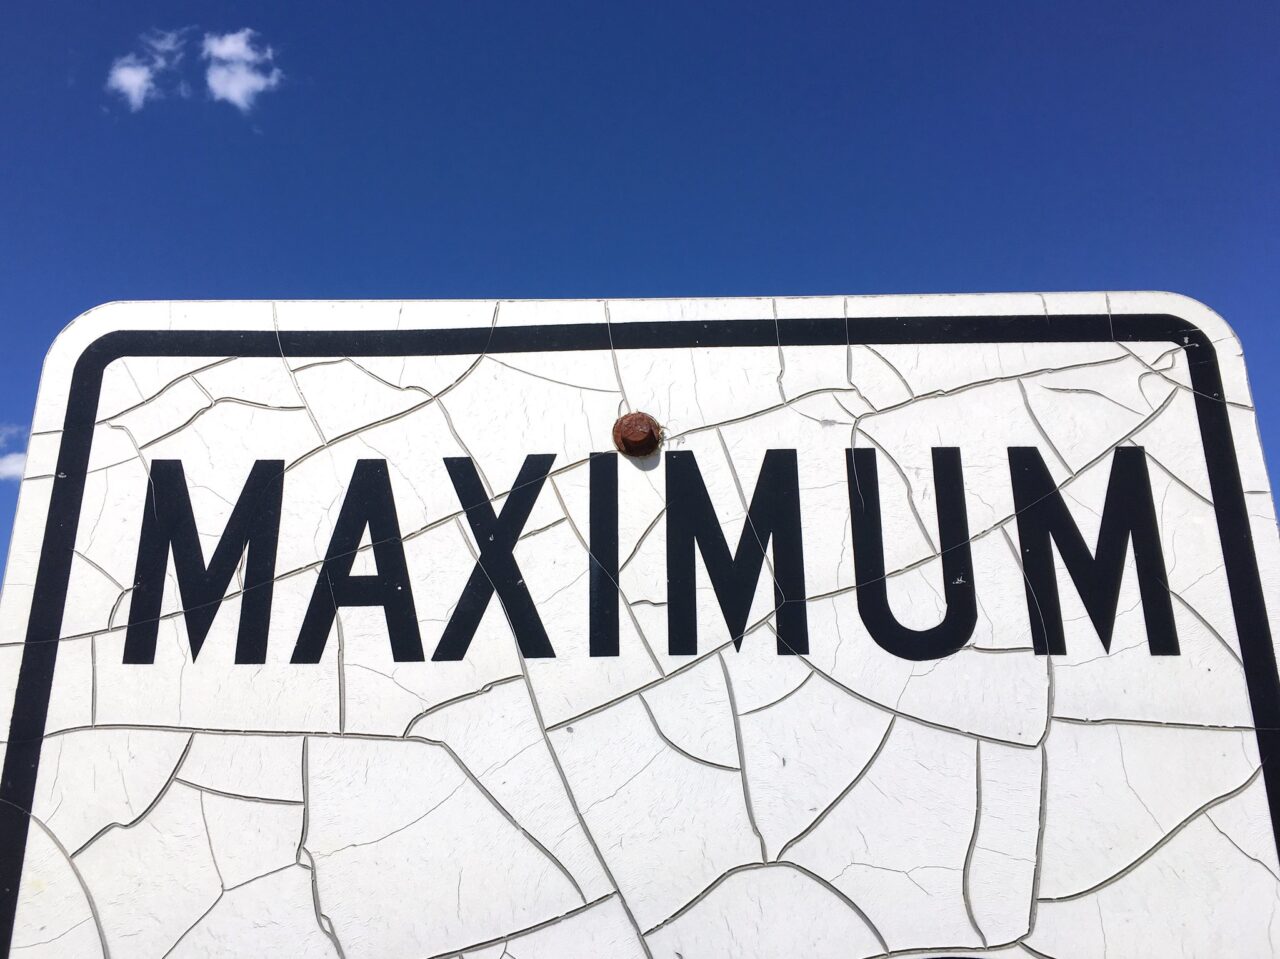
{"x":868,"y":558}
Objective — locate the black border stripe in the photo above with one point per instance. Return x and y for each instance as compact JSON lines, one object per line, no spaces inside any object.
{"x":39,"y":655}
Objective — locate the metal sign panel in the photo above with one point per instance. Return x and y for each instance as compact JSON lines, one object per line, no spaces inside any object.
{"x":937,"y":626}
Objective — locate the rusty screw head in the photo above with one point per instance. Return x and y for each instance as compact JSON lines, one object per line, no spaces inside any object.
{"x":637,"y":434}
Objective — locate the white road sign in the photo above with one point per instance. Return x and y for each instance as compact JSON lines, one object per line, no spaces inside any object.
{"x":938,"y":626}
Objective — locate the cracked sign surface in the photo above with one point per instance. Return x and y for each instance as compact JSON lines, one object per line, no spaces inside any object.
{"x":940,"y":626}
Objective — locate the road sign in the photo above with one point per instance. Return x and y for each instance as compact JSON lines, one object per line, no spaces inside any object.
{"x":936,"y":626}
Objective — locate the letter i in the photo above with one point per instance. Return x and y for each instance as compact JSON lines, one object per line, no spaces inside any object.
{"x":604,"y":554}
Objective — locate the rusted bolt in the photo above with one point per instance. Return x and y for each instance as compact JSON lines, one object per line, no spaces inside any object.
{"x":637,"y":434}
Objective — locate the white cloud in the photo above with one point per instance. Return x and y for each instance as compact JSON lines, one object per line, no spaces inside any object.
{"x":234,"y":46}
{"x":239,"y":68}
{"x":166,"y":43}
{"x":135,"y":75}
{"x":11,"y":464}
{"x":133,"y":80}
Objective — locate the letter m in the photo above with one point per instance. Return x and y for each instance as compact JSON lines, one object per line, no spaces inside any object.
{"x":169,"y":525}
{"x":1128,"y":516}
{"x":773,"y":516}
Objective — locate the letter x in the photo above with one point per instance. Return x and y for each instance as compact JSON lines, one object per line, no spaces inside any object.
{"x":496,"y":568}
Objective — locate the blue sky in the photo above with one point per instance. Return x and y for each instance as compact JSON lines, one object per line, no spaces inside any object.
{"x":582,"y":149}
